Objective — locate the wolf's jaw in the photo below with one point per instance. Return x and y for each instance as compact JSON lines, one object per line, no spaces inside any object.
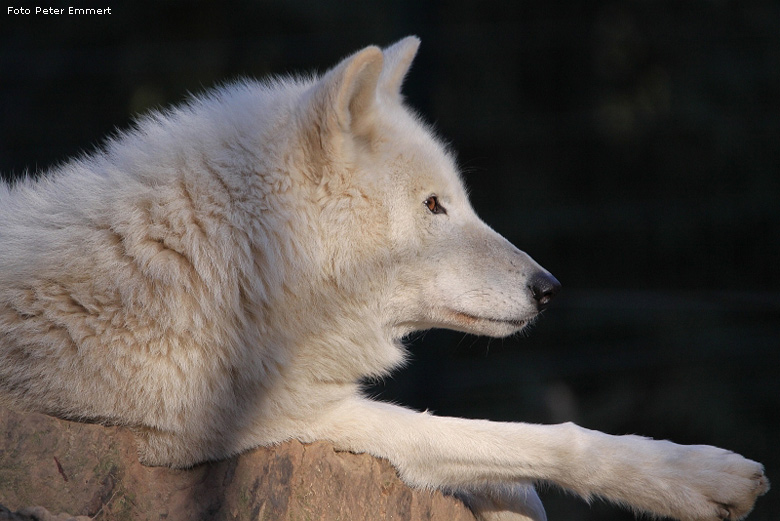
{"x":498,"y":327}
{"x":475,"y":318}
{"x":446,"y":318}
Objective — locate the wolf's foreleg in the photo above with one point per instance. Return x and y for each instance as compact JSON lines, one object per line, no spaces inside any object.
{"x":660,"y":477}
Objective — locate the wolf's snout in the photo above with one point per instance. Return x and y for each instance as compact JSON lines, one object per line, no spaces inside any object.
{"x":543,"y":287}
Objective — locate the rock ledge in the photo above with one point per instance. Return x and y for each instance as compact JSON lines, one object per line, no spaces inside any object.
{"x":91,"y":470}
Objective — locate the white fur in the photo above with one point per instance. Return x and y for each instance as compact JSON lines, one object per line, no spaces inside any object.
{"x":224,"y":274}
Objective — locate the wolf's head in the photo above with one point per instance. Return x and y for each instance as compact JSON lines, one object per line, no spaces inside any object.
{"x":396,"y":217}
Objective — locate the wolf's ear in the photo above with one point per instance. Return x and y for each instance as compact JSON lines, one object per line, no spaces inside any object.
{"x":345,"y":97}
{"x":398,"y":59}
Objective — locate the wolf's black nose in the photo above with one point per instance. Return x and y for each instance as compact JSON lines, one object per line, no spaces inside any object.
{"x":543,"y":287}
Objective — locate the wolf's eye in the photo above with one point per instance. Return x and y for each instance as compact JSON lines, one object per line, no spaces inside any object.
{"x":432,"y":203}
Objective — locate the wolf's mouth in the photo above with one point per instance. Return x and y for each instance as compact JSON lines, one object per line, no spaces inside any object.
{"x":473,"y":319}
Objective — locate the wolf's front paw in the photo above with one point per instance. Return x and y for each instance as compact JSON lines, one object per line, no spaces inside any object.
{"x":713,"y":484}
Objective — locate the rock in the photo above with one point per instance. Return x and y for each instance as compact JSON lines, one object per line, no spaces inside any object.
{"x":91,"y":470}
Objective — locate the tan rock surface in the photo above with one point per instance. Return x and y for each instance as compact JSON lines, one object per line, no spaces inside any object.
{"x":93,"y":470}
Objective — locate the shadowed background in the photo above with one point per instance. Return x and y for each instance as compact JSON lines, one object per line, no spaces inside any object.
{"x":630,"y":147}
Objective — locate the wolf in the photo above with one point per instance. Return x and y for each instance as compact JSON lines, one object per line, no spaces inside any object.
{"x":225,"y":274}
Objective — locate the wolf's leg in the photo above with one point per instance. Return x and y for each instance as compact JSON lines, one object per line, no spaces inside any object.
{"x":158,"y":448}
{"x":504,"y":502}
{"x":685,"y":482}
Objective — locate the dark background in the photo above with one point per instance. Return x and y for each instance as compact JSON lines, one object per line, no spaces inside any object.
{"x":631,"y":147}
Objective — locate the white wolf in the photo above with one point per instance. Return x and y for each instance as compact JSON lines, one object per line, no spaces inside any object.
{"x":224,"y":275}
